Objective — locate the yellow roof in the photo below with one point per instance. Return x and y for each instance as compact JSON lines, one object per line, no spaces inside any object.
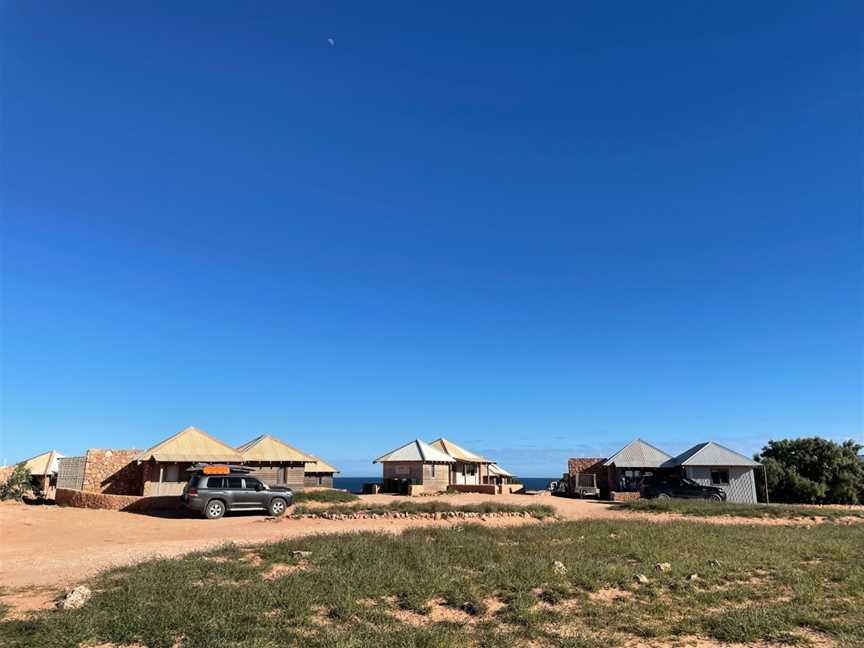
{"x":319,"y":466}
{"x":269,"y":448}
{"x":43,"y":464}
{"x":191,"y":445}
{"x":457,"y":452}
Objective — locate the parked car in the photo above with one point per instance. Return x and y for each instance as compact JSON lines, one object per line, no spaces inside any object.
{"x":579,"y":485}
{"x":669,"y":486}
{"x":213,"y":490}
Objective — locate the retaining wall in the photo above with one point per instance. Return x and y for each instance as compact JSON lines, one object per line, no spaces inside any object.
{"x":131,"y":503}
{"x":486,"y":489}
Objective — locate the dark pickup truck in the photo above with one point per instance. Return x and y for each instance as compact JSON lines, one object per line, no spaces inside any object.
{"x":676,"y":486}
{"x":213,"y":490}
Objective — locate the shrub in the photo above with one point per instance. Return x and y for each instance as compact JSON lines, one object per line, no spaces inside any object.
{"x":17,"y":484}
{"x":325,"y":496}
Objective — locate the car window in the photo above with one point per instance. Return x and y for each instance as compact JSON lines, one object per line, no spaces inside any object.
{"x":235,"y":482}
{"x":215,"y":482}
{"x":252,"y":483}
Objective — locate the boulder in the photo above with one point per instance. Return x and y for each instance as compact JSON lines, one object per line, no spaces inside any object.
{"x":75,"y":598}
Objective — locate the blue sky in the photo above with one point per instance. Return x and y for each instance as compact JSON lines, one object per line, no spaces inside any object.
{"x":537,"y":229}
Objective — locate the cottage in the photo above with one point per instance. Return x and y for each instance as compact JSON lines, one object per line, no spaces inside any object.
{"x":712,"y":464}
{"x":469,"y":468}
{"x":416,"y":468}
{"x":43,"y":470}
{"x":275,"y":462}
{"x":499,"y":477}
{"x":164,"y":465}
{"x":319,"y":473}
{"x":707,"y":463}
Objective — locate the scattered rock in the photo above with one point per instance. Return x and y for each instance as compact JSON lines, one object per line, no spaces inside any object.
{"x":642,"y":579}
{"x":613,"y":535}
{"x":715,"y":563}
{"x":693,"y":578}
{"x":301,"y":554}
{"x":559,"y":568}
{"x":663,"y":567}
{"x":76,"y":598}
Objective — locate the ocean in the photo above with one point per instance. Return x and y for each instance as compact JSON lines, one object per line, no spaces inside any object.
{"x":355,"y":484}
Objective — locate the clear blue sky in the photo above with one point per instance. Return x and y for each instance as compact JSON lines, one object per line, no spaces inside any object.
{"x":538,"y":229}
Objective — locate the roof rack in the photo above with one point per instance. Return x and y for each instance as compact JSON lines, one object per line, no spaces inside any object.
{"x":218,"y":469}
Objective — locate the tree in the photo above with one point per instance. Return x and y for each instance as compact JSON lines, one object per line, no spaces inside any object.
{"x":813,"y":471}
{"x":17,"y":484}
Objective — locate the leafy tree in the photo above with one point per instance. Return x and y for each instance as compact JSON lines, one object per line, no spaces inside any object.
{"x":813,"y":470}
{"x":17,"y":484}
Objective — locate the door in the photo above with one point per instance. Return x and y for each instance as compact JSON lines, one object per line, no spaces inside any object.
{"x":248,"y":496}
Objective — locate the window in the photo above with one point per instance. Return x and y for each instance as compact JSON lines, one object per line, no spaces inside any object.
{"x":215,"y":482}
{"x":235,"y":482}
{"x":251,"y":483}
{"x":720,"y":476}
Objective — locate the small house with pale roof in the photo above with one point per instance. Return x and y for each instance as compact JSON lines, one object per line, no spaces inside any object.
{"x":415,"y":468}
{"x":165,"y":464}
{"x":319,"y":473}
{"x":275,"y":462}
{"x":42,"y":467}
{"x":468,"y":468}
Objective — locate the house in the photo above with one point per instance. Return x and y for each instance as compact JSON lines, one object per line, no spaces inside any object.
{"x":319,"y":473}
{"x":469,"y":468}
{"x":499,"y":477}
{"x":275,"y":462}
{"x":707,"y":463}
{"x":164,"y":465}
{"x":416,"y":468}
{"x":43,"y":470}
{"x":712,"y":464}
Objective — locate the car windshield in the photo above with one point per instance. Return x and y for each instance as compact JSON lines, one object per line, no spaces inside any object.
{"x":689,"y":482}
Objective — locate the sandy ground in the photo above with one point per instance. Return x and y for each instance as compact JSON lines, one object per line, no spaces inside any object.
{"x":50,"y":548}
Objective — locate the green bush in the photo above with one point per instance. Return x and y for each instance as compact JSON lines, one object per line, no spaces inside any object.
{"x":813,"y":471}
{"x":17,"y":485}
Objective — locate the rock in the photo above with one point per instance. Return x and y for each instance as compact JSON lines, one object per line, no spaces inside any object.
{"x":301,"y":554}
{"x":693,"y":578}
{"x":663,"y":567}
{"x":613,"y":535}
{"x":642,"y":579}
{"x":75,"y":598}
{"x":559,"y":568}
{"x":714,"y":563}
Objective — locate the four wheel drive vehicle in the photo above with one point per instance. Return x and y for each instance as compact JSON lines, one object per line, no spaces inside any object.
{"x":669,"y":486}
{"x":579,"y":485}
{"x":213,"y":490}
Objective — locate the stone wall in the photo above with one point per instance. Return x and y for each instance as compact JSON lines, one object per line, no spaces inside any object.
{"x":5,"y":472}
{"x":486,"y":489}
{"x":112,"y":472}
{"x":130,"y":503}
{"x":624,"y":496}
{"x":585,"y":465}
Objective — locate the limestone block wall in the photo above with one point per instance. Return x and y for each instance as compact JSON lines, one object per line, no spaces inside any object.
{"x":112,"y":472}
{"x":130,"y":503}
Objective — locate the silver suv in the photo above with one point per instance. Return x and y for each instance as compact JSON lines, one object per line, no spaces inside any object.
{"x":213,"y":490}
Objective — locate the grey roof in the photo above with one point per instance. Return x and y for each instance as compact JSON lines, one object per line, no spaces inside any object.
{"x":416,"y":450}
{"x":638,"y":454}
{"x":710,"y":454}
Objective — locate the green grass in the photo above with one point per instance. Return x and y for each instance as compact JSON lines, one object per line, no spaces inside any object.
{"x":337,"y":496}
{"x":701,"y":508}
{"x":498,"y":585}
{"x":413,"y":507}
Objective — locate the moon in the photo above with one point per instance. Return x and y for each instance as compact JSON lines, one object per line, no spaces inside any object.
{"x":332,"y":41}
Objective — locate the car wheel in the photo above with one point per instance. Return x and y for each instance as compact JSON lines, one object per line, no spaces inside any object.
{"x":663,"y":496}
{"x":714,"y":497}
{"x":215,"y":509}
{"x":278,"y":506}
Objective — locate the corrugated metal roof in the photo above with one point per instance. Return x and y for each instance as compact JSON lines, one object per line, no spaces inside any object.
{"x":638,"y":454}
{"x":711,"y":454}
{"x":43,"y":464}
{"x":191,"y":445}
{"x":495,"y":469}
{"x":458,"y":452}
{"x":319,"y":466}
{"x":416,"y":450}
{"x":269,"y":448}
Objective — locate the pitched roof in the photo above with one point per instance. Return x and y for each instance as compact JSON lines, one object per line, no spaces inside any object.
{"x":319,"y":466}
{"x":416,"y":450}
{"x":269,"y":448}
{"x":710,"y":454}
{"x":191,"y":445}
{"x":638,"y":454}
{"x":458,"y":452}
{"x":495,"y":469}
{"x":43,"y":464}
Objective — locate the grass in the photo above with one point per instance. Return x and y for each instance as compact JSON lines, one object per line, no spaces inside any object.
{"x":478,"y":586}
{"x":539,"y":511}
{"x":701,"y":508}
{"x":336,"y":496}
